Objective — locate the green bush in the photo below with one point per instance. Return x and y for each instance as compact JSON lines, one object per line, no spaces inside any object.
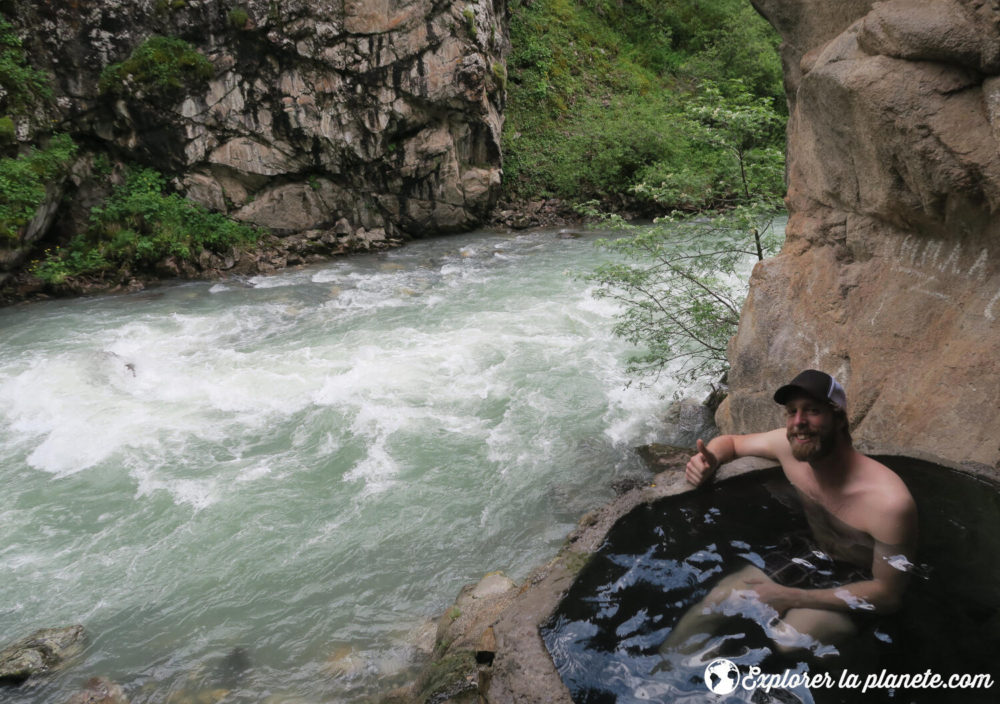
{"x":138,"y":226}
{"x":594,"y":152}
{"x":500,"y":74}
{"x":682,"y":282}
{"x":735,"y":133}
{"x":163,"y":66}
{"x":170,"y":5}
{"x":23,"y":181}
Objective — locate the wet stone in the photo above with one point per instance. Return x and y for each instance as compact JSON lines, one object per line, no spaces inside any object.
{"x":658,"y":456}
{"x":38,"y":653}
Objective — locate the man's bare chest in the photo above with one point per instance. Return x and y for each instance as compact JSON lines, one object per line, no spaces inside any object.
{"x":837,"y":523}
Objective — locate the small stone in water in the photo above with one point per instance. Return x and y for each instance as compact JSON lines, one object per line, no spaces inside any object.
{"x":100,"y":690}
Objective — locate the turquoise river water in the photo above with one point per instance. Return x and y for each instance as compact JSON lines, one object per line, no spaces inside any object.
{"x":267,"y":488}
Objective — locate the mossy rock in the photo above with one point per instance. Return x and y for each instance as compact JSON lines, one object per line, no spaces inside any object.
{"x":449,"y":679}
{"x":576,"y":561}
{"x":38,"y":653}
{"x":7,"y":130}
{"x":238,"y":18}
{"x":160,"y":66}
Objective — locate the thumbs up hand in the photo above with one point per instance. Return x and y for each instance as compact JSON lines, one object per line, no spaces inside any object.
{"x":701,"y":467}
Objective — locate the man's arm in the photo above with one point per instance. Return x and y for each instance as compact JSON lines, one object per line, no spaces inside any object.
{"x":725,"y":448}
{"x":894,"y":531}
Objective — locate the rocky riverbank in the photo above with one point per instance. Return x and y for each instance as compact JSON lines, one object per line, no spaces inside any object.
{"x":274,"y":253}
{"x":271,"y":254}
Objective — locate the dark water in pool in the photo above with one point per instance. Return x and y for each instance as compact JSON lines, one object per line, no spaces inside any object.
{"x":661,"y":559}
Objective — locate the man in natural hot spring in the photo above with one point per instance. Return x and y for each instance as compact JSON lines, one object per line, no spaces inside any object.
{"x":861,"y":514}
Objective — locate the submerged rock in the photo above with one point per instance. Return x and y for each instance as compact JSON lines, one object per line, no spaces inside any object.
{"x":344,"y":663}
{"x":38,"y":653}
{"x":462,"y":626}
{"x":100,"y":690}
{"x":234,"y":667}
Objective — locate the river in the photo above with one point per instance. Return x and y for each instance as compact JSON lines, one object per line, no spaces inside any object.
{"x":268,"y":487}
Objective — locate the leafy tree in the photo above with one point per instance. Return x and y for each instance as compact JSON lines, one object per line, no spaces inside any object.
{"x":740,"y":45}
{"x":682,"y":282}
{"x":743,"y":128}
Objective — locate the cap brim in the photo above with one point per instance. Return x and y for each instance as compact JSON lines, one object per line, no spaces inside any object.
{"x":787,"y":391}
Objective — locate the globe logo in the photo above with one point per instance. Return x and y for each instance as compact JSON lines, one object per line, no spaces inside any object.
{"x":722,"y":676}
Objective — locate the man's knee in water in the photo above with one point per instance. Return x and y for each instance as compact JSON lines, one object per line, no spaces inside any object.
{"x":741,"y":580}
{"x":818,"y":631}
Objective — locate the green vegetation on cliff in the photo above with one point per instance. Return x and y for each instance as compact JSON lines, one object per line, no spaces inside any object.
{"x":600,"y":97}
{"x":24,"y":179}
{"x":138,"y":226}
{"x":23,"y":87}
{"x":26,"y":171}
{"x":160,"y":65}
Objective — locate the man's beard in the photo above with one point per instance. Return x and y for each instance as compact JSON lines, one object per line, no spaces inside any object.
{"x":819,"y":446}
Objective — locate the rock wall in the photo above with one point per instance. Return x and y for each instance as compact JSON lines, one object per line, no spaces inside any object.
{"x":890,"y":275}
{"x":345,"y":116}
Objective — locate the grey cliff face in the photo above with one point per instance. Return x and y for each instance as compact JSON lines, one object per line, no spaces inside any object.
{"x":890,"y":275}
{"x":374,"y":114}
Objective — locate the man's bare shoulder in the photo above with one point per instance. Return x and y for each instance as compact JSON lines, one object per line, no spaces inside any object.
{"x":881,"y":483}
{"x":887,"y":500}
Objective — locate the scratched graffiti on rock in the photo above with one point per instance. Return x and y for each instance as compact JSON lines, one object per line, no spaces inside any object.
{"x":930,"y":261}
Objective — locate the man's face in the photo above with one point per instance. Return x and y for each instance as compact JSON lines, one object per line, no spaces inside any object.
{"x":811,"y":428}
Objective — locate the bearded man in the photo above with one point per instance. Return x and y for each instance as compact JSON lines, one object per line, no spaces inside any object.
{"x":860,"y":513}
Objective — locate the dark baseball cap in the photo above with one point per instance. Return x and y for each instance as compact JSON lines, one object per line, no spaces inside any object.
{"x":819,"y":385}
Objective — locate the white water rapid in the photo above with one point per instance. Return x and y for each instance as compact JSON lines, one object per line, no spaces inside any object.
{"x":265,"y":489}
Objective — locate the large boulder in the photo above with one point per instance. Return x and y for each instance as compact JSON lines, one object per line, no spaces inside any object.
{"x":890,"y":275}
